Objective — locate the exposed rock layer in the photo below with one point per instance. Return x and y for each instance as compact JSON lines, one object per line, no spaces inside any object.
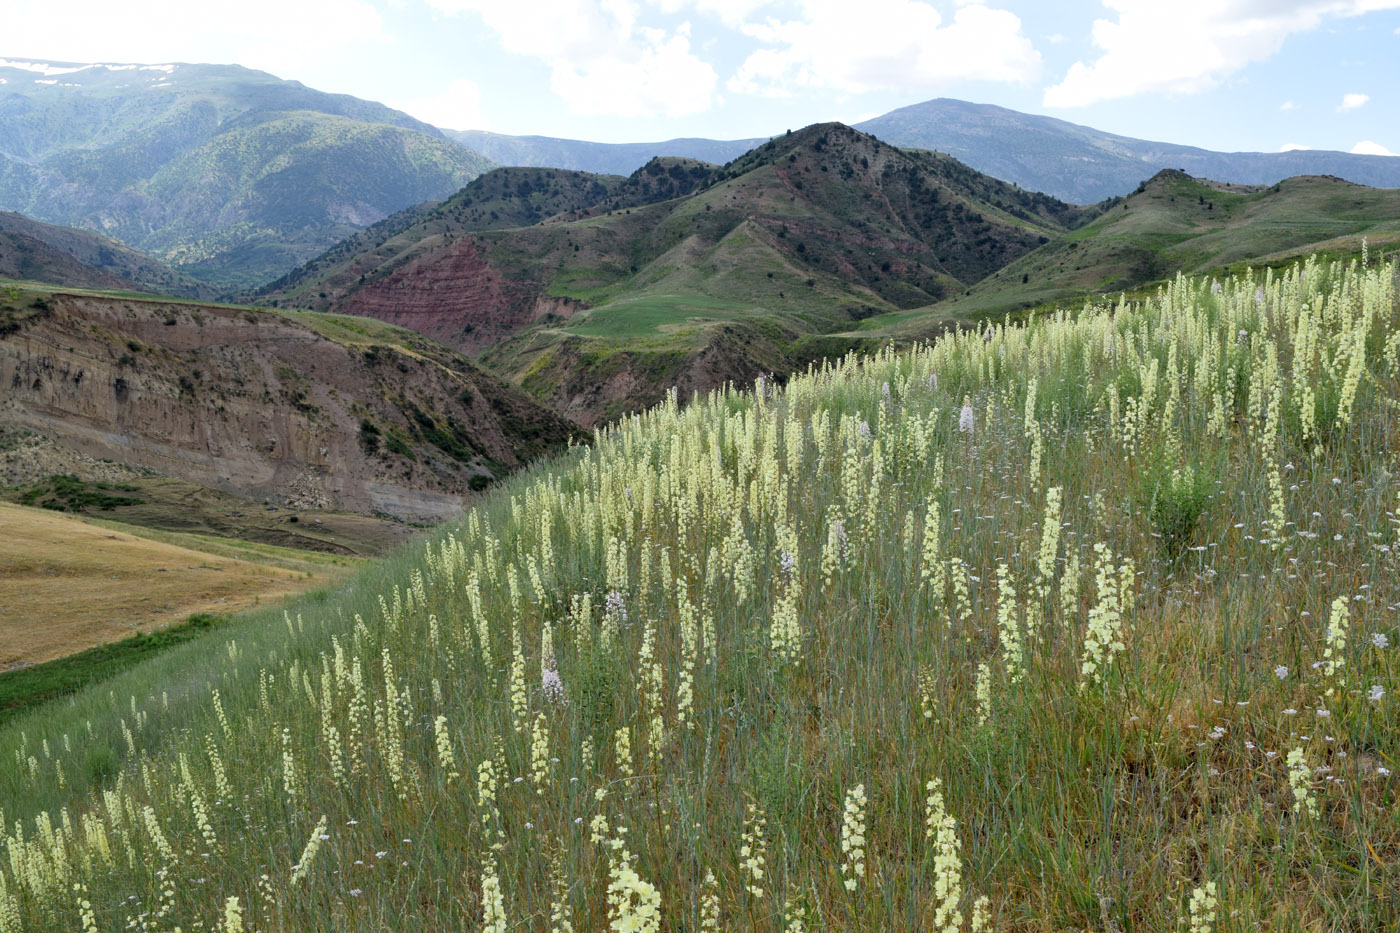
{"x":268,"y":406}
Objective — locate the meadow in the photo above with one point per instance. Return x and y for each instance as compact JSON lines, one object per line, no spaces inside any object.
{"x":1085,"y":622}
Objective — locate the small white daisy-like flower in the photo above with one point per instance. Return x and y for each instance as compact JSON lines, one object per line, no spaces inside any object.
{"x":1281,"y":672}
{"x":1380,"y":641}
{"x":1377,"y":693}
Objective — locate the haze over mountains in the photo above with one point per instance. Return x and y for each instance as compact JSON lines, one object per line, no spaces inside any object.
{"x":63,"y":256}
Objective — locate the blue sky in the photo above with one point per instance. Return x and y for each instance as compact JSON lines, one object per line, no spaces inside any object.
{"x":1228,"y":75}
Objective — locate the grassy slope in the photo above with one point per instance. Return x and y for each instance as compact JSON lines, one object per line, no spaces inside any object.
{"x":162,"y":504}
{"x":925,"y":632}
{"x":1175,"y":222}
{"x":26,"y":688}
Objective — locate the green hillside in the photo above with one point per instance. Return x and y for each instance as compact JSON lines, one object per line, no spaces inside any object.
{"x":1176,"y":222}
{"x":230,"y":174}
{"x":500,"y":199}
{"x":801,"y":237}
{"x":40,"y":252}
{"x":724,"y":280}
{"x":855,"y":650}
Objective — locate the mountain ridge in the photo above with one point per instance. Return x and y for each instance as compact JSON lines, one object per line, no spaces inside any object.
{"x":596,"y":310}
{"x":1066,"y":160}
{"x":1084,"y":165}
{"x":230,"y":174}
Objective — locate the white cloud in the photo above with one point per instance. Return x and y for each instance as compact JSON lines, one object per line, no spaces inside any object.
{"x":602,"y":60}
{"x":1367,"y":147}
{"x":1055,"y":38}
{"x":458,"y":107}
{"x":733,"y":13}
{"x":1352,"y":101}
{"x":1288,"y":105}
{"x":274,"y":35}
{"x":902,"y":45}
{"x":1189,"y":45}
{"x":1293,"y":147}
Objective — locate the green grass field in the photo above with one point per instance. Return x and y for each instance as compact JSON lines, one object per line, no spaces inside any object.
{"x":653,"y":315}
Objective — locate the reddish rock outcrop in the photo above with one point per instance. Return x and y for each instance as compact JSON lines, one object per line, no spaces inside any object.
{"x":452,"y":295}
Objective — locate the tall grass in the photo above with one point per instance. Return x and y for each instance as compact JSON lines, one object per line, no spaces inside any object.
{"x":812,"y":653}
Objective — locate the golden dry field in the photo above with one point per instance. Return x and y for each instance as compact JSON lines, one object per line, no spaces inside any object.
{"x":67,"y":584}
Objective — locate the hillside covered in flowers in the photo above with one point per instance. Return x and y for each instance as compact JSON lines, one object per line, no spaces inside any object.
{"x":1082,"y":622}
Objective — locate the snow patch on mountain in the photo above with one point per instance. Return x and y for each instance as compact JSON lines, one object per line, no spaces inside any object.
{"x":49,"y":69}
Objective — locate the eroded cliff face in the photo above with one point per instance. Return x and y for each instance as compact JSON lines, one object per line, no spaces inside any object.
{"x":263,"y":405}
{"x":452,"y":295}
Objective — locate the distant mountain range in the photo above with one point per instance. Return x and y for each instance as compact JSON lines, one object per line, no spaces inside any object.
{"x":1081,"y":164}
{"x":1065,"y":160}
{"x":600,"y":158}
{"x":230,"y":175}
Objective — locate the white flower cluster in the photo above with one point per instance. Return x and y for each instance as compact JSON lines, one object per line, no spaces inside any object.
{"x":853,"y":837}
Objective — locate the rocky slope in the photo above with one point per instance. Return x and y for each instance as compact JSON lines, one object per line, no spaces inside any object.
{"x":310,"y":410}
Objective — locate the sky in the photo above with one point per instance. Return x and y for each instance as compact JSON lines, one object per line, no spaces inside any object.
{"x":1231,"y":75}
